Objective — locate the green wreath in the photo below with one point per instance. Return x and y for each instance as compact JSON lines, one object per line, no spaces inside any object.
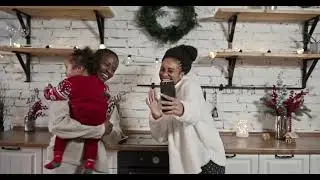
{"x":147,"y":18}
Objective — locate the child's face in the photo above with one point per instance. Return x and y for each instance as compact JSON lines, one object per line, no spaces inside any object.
{"x":72,"y":70}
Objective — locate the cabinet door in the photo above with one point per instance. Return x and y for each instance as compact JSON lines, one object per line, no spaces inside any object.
{"x":242,"y":164}
{"x":111,"y":162}
{"x":315,"y":164}
{"x":284,"y":164}
{"x":17,"y":160}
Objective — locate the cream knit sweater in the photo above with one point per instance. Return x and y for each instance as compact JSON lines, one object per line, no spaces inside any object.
{"x":62,"y":125}
{"x":192,"y":138}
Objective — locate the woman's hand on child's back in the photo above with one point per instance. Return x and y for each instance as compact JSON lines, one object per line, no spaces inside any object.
{"x":109,"y":127}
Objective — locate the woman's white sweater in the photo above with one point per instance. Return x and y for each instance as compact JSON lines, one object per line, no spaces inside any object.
{"x":192,"y":138}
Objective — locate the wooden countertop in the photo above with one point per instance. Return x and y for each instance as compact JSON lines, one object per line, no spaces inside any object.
{"x":308,"y":143}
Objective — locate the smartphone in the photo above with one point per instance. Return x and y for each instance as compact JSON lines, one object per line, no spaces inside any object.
{"x":167,"y":87}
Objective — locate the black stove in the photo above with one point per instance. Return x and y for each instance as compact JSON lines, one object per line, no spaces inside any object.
{"x":143,"y":162}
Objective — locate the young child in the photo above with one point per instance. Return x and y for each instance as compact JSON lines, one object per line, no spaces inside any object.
{"x":88,"y":102}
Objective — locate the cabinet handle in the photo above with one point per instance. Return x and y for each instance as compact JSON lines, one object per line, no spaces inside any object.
{"x":231,"y":156}
{"x":283,"y":157}
{"x":11,"y":148}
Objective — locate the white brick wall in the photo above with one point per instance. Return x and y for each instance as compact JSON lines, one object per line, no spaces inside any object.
{"x":123,"y":36}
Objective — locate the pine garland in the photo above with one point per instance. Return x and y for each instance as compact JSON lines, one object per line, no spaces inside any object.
{"x":147,"y":18}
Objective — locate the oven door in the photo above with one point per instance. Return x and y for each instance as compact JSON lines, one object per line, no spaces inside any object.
{"x":146,"y":170}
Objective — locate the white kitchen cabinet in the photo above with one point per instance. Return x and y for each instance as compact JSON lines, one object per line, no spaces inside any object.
{"x":315,"y":164}
{"x":112,"y":161}
{"x":284,"y":164}
{"x":242,"y":164}
{"x":18,"y":160}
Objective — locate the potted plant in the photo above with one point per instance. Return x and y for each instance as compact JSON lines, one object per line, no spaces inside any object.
{"x":35,"y":110}
{"x":283,"y":105}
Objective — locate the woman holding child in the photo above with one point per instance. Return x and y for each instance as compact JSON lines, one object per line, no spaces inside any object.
{"x":68,"y":128}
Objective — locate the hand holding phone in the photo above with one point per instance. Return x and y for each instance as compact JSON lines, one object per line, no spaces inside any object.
{"x":167,"y":87}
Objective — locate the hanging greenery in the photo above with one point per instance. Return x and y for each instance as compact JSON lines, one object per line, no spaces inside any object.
{"x":147,"y":18}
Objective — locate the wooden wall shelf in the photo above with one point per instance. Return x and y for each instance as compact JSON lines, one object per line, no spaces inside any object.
{"x":61,"y":12}
{"x":261,"y":15}
{"x":39,"y":52}
{"x":98,"y":13}
{"x":233,"y":56}
{"x":233,"y":15}
{"x":286,"y":55}
{"x":29,"y":52}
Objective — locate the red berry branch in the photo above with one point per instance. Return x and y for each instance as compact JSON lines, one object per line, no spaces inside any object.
{"x":282,"y":105}
{"x":36,"y":110}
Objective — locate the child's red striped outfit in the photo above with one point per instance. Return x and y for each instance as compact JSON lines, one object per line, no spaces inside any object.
{"x":88,"y":104}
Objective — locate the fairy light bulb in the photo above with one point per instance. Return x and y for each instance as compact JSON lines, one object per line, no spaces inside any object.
{"x":102,"y":46}
{"x":157,"y":60}
{"x":129,"y":60}
{"x":212,"y":54}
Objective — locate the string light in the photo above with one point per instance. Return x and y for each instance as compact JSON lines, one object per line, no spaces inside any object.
{"x":127,"y":61}
{"x":129,"y":57}
{"x":102,"y":46}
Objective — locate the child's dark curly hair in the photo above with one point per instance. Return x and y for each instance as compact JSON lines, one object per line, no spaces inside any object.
{"x":85,"y":58}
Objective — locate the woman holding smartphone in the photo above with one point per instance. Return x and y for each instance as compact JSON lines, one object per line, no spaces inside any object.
{"x":184,"y":121}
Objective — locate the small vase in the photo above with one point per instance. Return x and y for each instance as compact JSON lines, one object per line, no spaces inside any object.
{"x":281,"y":127}
{"x":29,"y":125}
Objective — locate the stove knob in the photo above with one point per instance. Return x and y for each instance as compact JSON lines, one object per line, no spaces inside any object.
{"x":155,"y":160}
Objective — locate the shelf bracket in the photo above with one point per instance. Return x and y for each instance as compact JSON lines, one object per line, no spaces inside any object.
{"x":231,"y":66}
{"x":306,"y":33}
{"x":25,"y":66}
{"x":231,"y":27}
{"x":25,"y":26}
{"x":100,"y":23}
{"x":306,"y":73}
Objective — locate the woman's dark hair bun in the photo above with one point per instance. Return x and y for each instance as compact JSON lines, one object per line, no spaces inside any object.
{"x":192,"y":52}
